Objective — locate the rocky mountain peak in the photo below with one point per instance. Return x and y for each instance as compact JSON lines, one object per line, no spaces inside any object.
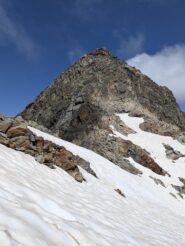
{"x":82,"y":103}
{"x":101,"y":51}
{"x":105,"y":85}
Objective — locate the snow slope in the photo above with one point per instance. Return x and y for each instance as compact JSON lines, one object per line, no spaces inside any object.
{"x":153,"y":143}
{"x":41,"y":206}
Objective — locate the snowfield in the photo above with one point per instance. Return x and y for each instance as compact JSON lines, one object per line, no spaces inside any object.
{"x":45,"y":207}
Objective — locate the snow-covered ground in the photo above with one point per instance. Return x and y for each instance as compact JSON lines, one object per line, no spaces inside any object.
{"x":153,"y":143}
{"x":41,"y":206}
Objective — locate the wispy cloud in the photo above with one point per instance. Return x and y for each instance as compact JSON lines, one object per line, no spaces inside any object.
{"x":87,"y":9}
{"x":75,"y":52}
{"x":131,"y":46}
{"x":15,"y":34}
{"x":165,"y":67}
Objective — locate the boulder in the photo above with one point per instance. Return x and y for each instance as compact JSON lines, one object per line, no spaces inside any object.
{"x":171,"y":153}
{"x":3,"y":139}
{"x":5,"y":125}
{"x":158,"y":181}
{"x":17,"y":131}
{"x":85,"y":165}
{"x":76,"y":174}
{"x":64,"y":159}
{"x":120,"y":192}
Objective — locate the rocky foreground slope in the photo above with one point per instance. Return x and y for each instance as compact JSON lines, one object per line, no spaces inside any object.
{"x":47,"y":207}
{"x":14,"y":134}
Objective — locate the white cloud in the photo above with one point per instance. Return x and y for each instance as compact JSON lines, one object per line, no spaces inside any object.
{"x":131,"y":46}
{"x":166,"y":67}
{"x":87,"y":9}
{"x":15,"y":34}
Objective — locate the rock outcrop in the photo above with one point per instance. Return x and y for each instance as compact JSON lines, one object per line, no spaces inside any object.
{"x":15,"y":134}
{"x":180,"y":189}
{"x":158,"y":181}
{"x":171,"y":153}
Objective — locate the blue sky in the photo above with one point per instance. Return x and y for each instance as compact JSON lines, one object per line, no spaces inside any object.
{"x":41,"y":38}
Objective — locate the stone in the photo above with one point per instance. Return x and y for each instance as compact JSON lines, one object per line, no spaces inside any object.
{"x":2,"y":117}
{"x":171,"y":153}
{"x":76,"y":174}
{"x":19,"y":118}
{"x":182,"y":180}
{"x":113,"y":149}
{"x":21,"y":143}
{"x":179,"y":189}
{"x":173,"y":195}
{"x":158,"y":181}
{"x":5,"y":125}
{"x":40,"y":158}
{"x":181,"y":138}
{"x":120,"y":192}
{"x":32,"y":138}
{"x":85,"y":165}
{"x":4,"y":140}
{"x":17,"y":131}
{"x":142,"y":157}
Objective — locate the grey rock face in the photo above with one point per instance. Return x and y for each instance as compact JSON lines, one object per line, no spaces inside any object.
{"x":158,"y":181}
{"x":171,"y":153}
{"x":100,"y":83}
{"x":5,"y":125}
{"x":81,"y":103}
{"x":180,"y":189}
{"x":181,"y":138}
{"x":85,"y":165}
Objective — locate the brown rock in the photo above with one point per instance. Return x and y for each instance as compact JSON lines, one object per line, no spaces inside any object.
{"x":17,"y":131}
{"x":18,"y":137}
{"x":3,"y":139}
{"x":120,"y":192}
{"x":142,"y":157}
{"x":65,"y":160}
{"x":171,"y":153}
{"x":5,"y":125}
{"x":76,"y":174}
{"x":158,"y":181}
